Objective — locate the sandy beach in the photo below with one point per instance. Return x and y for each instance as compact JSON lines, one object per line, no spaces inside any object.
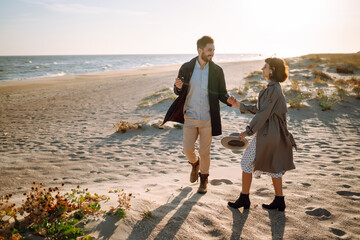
{"x":61,"y":130}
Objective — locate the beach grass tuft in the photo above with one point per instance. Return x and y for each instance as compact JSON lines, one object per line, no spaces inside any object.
{"x":157,"y":97}
{"x":321,"y":74}
{"x":253,"y":74}
{"x":325,"y":101}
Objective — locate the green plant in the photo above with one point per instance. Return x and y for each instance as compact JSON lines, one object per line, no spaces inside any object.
{"x":49,"y":213}
{"x":325,"y":101}
{"x":342,"y":93}
{"x":147,"y":214}
{"x":178,"y":126}
{"x":296,"y":100}
{"x":120,"y":213}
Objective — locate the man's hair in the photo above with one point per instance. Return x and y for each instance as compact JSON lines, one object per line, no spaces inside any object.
{"x":201,"y":43}
{"x":280,"y":70}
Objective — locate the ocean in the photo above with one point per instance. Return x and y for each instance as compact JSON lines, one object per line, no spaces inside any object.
{"x":27,"y":67}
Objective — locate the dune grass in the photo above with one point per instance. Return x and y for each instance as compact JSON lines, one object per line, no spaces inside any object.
{"x":253,"y":74}
{"x":325,"y":101}
{"x":351,"y":60}
{"x":321,"y":74}
{"x":157,"y":97}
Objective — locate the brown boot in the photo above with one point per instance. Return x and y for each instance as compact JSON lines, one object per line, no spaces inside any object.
{"x":194,"y":171}
{"x":203,"y":183}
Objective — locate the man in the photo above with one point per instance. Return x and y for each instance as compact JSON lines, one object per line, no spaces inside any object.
{"x":200,"y":85}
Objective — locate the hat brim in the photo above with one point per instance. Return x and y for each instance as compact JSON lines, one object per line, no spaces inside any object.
{"x":233,"y":142}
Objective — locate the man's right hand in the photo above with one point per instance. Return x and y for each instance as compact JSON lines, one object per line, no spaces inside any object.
{"x":179,"y":83}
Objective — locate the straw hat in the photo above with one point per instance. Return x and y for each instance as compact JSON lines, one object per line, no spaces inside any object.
{"x":233,"y":142}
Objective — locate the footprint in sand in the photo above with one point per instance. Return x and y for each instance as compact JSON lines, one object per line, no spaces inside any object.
{"x":320,"y":213}
{"x":217,"y":182}
{"x":262,"y":192}
{"x":306,"y":184}
{"x":337,"y":232}
{"x":348,"y":193}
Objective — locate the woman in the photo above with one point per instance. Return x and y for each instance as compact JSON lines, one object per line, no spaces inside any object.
{"x":271,"y":150}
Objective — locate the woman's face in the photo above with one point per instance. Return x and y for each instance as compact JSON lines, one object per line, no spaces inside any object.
{"x":266,"y":71}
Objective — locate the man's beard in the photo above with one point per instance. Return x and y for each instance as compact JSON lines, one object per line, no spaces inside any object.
{"x":205,"y":58}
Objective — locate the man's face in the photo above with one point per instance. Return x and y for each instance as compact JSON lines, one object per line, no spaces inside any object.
{"x":207,"y":52}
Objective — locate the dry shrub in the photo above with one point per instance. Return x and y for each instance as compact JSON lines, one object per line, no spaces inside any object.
{"x":295,"y":85}
{"x":253,"y":74}
{"x":341,"y":93}
{"x":250,"y":100}
{"x":350,"y":60}
{"x":356,"y":90}
{"x":319,"y":81}
{"x":341,"y":82}
{"x":123,"y":126}
{"x":321,"y":74}
{"x":344,"y":70}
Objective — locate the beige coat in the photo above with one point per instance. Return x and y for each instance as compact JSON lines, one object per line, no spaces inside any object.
{"x":273,"y":141}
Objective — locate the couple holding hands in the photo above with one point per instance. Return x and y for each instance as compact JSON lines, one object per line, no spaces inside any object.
{"x":199,"y":86}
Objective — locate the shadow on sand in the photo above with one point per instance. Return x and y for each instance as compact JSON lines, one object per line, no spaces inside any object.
{"x":145,"y":227}
{"x":277,"y":223}
{"x":239,"y":219}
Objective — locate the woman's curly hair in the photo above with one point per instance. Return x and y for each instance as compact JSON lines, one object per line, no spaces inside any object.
{"x":280,"y":71}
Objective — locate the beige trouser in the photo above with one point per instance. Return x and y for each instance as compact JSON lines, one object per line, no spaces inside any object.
{"x":192,"y":129}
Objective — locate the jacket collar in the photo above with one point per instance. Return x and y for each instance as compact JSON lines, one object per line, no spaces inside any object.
{"x":273,"y":83}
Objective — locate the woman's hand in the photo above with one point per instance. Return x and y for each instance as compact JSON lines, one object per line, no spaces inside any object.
{"x":234,"y":102}
{"x":242,"y":136}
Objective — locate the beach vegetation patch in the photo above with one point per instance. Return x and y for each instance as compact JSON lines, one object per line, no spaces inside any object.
{"x":344,"y":70}
{"x":296,"y":100}
{"x":250,"y":100}
{"x":348,"y":60}
{"x":295,"y":85}
{"x":48,"y":213}
{"x":124,"y":126}
{"x":157,"y":97}
{"x":319,"y":81}
{"x":341,"y":93}
{"x":178,"y":126}
{"x":326,"y":102}
{"x":147,"y":214}
{"x":253,"y":74}
{"x":321,"y":74}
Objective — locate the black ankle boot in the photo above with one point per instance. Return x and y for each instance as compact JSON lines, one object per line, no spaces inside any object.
{"x":243,"y":201}
{"x":278,"y":203}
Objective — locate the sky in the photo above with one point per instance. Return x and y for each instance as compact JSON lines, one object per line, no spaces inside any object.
{"x":282,"y":27}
